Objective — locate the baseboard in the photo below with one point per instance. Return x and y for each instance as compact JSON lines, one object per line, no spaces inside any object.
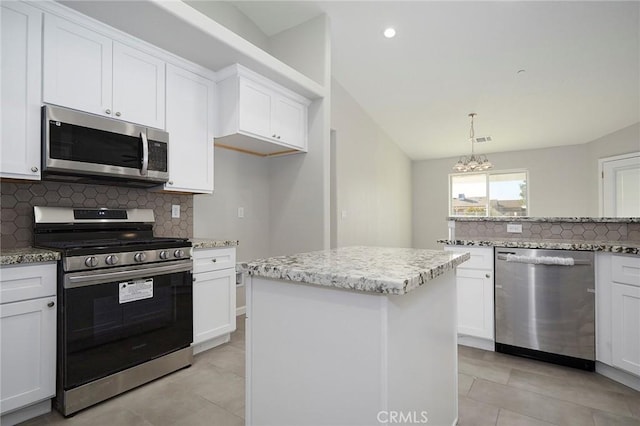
{"x":619,"y":376}
{"x":23,"y":414}
{"x":476,"y":342}
{"x":241,"y":310}
{"x":210,"y":344}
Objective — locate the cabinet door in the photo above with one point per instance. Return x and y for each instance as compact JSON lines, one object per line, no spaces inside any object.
{"x":255,"y":114}
{"x":77,"y":67}
{"x":190,"y":115}
{"x":475,"y":303}
{"x":625,"y":320}
{"x":28,"y":352}
{"x":290,"y":122}
{"x":214,"y":304}
{"x":138,"y":86}
{"x":20,"y":74}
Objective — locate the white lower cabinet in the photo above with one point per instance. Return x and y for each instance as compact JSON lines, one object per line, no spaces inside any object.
{"x":214,"y":297}
{"x":474,"y":281}
{"x":28,"y":337}
{"x":618,"y":313}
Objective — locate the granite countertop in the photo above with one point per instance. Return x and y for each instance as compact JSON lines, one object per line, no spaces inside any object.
{"x":626,"y":247}
{"x":544,"y":219}
{"x":367,"y":269}
{"x":27,"y":255}
{"x":205,"y":243}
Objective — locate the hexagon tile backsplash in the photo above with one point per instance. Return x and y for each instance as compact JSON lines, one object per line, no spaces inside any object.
{"x":18,"y":198}
{"x":571,"y":231}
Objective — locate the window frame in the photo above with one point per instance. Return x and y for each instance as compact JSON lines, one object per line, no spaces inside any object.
{"x":488,"y":205}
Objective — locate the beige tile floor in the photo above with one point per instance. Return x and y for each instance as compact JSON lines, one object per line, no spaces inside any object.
{"x":495,"y":389}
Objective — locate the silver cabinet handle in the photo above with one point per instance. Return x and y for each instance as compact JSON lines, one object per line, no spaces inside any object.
{"x":108,"y":111}
{"x":34,"y":169}
{"x":145,"y":153}
{"x":170,"y":182}
{"x":51,"y":304}
{"x":214,"y":260}
{"x":118,"y":114}
{"x":487,"y":275}
{"x":274,"y":135}
{"x":278,"y":137}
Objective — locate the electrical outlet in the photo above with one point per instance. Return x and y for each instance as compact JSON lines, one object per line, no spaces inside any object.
{"x":241,"y":212}
{"x":343,"y":214}
{"x":175,"y":211}
{"x":514,"y":228}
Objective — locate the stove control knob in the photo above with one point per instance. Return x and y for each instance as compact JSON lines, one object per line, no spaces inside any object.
{"x":91,"y":262}
{"x":178,"y":253}
{"x":112,"y":259}
{"x":139,"y":257}
{"x":164,"y":255}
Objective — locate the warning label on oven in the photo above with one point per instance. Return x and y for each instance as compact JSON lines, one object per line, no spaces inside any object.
{"x":131,"y":291}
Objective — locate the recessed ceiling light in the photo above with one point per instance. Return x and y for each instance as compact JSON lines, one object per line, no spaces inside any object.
{"x":389,"y":33}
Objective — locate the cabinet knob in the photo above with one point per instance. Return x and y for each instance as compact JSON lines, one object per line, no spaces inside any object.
{"x":170,"y":182}
{"x":34,"y":169}
{"x":487,"y":275}
{"x":118,"y":114}
{"x":214,"y":260}
{"x":274,"y":135}
{"x":51,"y":304}
{"x":108,"y":111}
{"x":278,"y":137}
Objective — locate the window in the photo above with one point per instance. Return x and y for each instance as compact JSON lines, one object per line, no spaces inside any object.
{"x":489,"y":194}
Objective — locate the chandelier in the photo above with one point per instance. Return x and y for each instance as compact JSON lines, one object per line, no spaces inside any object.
{"x":474,"y":163}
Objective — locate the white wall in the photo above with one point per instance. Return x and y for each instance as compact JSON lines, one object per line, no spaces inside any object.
{"x":299,"y":184}
{"x":563,"y":181}
{"x":228,"y":15}
{"x":372,"y":179}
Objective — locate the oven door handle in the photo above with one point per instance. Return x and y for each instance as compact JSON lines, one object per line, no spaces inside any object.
{"x":82,"y":279}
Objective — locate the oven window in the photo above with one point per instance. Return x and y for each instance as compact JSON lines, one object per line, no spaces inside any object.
{"x":105,"y":335}
{"x":77,"y":143}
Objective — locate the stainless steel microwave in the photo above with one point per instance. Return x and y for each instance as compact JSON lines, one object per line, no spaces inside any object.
{"x":87,"y":148}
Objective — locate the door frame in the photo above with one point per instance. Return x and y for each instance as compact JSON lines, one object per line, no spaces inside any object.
{"x":601,"y":162}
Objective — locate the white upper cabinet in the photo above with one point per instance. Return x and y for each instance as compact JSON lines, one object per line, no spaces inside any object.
{"x":20,"y":73}
{"x":258,"y":116}
{"x":138,"y":86}
{"x":87,"y":71}
{"x":190,"y":120}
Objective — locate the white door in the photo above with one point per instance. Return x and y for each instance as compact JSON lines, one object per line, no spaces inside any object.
{"x":214,"y":304}
{"x":255,"y":114}
{"x":28,"y":336}
{"x":77,"y":67}
{"x":621,"y":186}
{"x":21,"y":74}
{"x":625,"y":343}
{"x":475,"y":303}
{"x":190,"y":115}
{"x":289,"y":117}
{"x":138,"y":87}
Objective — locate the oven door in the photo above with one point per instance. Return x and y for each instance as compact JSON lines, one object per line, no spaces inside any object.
{"x":118,"y":318}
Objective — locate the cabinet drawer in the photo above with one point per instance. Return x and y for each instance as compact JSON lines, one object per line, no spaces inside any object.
{"x":481,"y":257}
{"x":23,"y":282}
{"x":206,"y":260}
{"x":626,"y":270}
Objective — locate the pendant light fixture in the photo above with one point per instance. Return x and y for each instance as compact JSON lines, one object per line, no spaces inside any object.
{"x":474,"y":163}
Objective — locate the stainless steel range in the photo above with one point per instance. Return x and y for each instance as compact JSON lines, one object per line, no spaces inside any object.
{"x":125,"y":300}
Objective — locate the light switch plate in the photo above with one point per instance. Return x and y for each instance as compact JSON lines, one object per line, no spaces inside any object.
{"x":175,"y":211}
{"x":514,"y":228}
{"x":241,"y":212}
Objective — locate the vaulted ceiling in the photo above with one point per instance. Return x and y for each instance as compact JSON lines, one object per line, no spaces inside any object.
{"x":537,"y":73}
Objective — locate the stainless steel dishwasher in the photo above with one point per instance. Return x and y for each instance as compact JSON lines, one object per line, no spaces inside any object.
{"x":545,"y":305}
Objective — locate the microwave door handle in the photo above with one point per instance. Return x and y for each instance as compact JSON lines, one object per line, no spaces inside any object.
{"x":145,"y":153}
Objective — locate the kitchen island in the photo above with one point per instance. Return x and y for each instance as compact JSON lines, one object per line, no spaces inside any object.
{"x":352,"y":336}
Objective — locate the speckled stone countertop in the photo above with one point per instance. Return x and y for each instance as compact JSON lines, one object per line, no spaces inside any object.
{"x":205,"y":243}
{"x":27,"y":255}
{"x":545,"y":219}
{"x":612,"y":246}
{"x":367,"y":269}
